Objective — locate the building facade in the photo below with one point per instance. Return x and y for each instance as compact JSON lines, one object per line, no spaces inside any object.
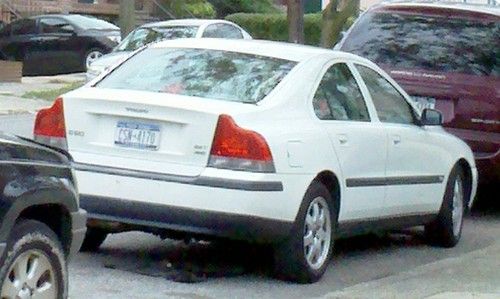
{"x":107,"y":9}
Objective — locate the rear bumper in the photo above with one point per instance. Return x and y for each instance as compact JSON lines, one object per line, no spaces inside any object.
{"x":207,"y":181}
{"x":176,"y":219}
{"x":241,"y":205}
{"x":78,"y":230}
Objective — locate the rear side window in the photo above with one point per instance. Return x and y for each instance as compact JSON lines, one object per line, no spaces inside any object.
{"x":213,"y":74}
{"x":5,"y":32}
{"x":391,"y":106}
{"x":146,"y":35}
{"x":338,"y":96}
{"x":428,"y":42}
{"x":55,"y":25}
{"x":222,"y":31}
{"x":23,"y":27}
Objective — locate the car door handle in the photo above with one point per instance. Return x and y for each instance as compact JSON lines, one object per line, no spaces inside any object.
{"x":36,"y":39}
{"x":342,"y":139}
{"x":396,"y":139}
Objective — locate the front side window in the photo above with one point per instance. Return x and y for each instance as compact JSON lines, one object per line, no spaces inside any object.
{"x":211,"y":74}
{"x":53,"y":25}
{"x":24,"y":27}
{"x":391,"y":106}
{"x":338,"y":96}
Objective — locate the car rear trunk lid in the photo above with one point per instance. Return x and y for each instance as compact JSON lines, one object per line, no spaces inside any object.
{"x":144,"y":131}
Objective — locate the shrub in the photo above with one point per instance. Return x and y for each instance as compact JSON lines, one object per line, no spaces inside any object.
{"x":275,"y":26}
{"x":226,"y":7}
{"x":190,"y":8}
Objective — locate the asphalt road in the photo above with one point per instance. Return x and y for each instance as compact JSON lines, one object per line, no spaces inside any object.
{"x":139,"y":265}
{"x":18,"y":124}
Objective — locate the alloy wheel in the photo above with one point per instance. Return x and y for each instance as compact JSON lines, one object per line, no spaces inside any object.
{"x":458,"y":206}
{"x":317,"y":233}
{"x":91,"y":57}
{"x":30,"y":276}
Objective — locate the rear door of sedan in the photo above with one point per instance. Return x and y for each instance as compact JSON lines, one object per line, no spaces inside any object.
{"x":360,"y":144}
{"x":20,"y":44}
{"x":415,"y":169}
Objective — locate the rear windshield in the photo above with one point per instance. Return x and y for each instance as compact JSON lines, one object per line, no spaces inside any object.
{"x":202,"y":73}
{"x":428,"y":42}
{"x":146,"y":35}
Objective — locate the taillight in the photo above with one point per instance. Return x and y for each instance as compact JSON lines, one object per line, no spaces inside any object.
{"x":49,"y":125}
{"x":239,"y":149}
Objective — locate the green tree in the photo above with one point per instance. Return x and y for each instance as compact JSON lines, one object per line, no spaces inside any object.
{"x":190,"y":8}
{"x":227,"y":7}
{"x":335,"y":15}
{"x":127,"y":17}
{"x":295,"y":17}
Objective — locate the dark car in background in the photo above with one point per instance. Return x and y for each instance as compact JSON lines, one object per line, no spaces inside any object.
{"x":447,"y":56}
{"x":55,"y":44}
{"x":41,"y":225}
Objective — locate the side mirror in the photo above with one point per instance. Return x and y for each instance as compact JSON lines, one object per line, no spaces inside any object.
{"x":431,"y":117}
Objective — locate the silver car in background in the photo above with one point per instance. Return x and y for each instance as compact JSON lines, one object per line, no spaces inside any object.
{"x":173,"y":29}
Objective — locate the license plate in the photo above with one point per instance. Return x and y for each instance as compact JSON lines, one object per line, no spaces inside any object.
{"x":424,"y":102}
{"x":137,"y":135}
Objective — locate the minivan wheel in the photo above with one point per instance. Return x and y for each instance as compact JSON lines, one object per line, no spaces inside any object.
{"x":34,"y":265}
{"x":446,"y":230}
{"x":94,"y":237}
{"x":91,"y":56}
{"x":304,"y":256}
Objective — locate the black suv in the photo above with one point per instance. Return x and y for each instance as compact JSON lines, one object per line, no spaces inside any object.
{"x":41,"y":224}
{"x":55,"y":44}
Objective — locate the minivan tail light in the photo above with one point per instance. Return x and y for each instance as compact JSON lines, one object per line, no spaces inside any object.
{"x":236,"y":148}
{"x":49,"y":125}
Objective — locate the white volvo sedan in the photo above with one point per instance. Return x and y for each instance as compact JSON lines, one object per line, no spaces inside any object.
{"x":262,"y":141}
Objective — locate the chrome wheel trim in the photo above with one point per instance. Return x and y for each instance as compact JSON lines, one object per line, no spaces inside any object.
{"x":31,"y":275}
{"x":91,"y":57}
{"x":457,"y":212}
{"x":317,"y":233}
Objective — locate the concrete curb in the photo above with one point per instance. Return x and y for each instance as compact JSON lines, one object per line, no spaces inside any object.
{"x":442,"y":279}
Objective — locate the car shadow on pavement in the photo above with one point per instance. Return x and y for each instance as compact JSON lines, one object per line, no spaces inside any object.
{"x":487,"y":203}
{"x":198,"y":261}
{"x":192,"y":262}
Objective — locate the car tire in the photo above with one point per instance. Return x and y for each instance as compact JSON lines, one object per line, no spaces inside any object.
{"x":446,"y":230}
{"x":35,"y":251}
{"x":296,"y":261}
{"x":90,"y":56}
{"x":94,"y":237}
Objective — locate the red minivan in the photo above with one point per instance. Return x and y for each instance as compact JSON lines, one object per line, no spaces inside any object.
{"x":447,"y":56}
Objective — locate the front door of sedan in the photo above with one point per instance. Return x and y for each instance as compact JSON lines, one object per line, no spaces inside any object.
{"x":414,"y":171}
{"x":360,"y":144}
{"x":59,"y":44}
